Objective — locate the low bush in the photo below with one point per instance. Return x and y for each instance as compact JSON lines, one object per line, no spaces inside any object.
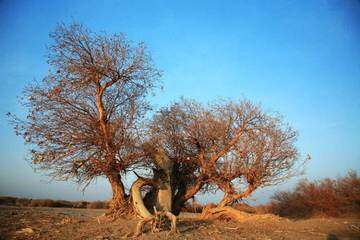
{"x":63,"y":204}
{"x":42,"y":203}
{"x":98,"y":205}
{"x":26,"y":202}
{"x":264,"y":209}
{"x":327,"y":197}
{"x":7,"y":200}
{"x":192,"y":207}
{"x":243,"y":207}
{"x":81,"y":204}
{"x":23,"y":202}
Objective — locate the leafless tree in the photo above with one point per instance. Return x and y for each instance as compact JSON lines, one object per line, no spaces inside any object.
{"x":232,"y":146}
{"x":83,"y":117}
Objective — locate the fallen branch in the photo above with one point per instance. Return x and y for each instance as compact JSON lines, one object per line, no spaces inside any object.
{"x":234,"y":214}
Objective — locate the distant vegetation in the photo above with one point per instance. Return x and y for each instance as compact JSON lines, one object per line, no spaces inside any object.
{"x":327,"y":197}
{"x":25,"y":202}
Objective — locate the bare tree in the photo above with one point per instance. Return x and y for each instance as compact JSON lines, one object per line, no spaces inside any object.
{"x":85,"y":120}
{"x":83,"y":117}
{"x":231,"y":146}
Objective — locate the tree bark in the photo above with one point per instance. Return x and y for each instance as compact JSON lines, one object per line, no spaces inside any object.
{"x":118,"y":200}
{"x":229,"y":198}
{"x":137,"y":200}
{"x":227,"y":212}
{"x":162,"y":201}
{"x":179,"y":202}
{"x":164,"y":194}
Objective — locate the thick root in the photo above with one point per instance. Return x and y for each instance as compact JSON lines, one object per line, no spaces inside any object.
{"x":144,"y":213}
{"x":163,"y":200}
{"x":227,"y":212}
{"x":117,"y":211}
{"x":233,"y":214}
{"x":141,"y":224}
{"x":156,"y":223}
{"x":172,"y":219}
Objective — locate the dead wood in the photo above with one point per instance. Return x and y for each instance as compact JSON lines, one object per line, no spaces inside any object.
{"x":162,"y":202}
{"x":231,"y":213}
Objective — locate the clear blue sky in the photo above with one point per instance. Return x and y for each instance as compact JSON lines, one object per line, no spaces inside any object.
{"x":300,"y":58}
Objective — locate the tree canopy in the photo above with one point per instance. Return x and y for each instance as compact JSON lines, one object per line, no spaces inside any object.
{"x":83,"y":117}
{"x":230,"y":146}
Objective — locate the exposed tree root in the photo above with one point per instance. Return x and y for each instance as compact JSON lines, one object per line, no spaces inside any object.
{"x":124,"y":210}
{"x":141,"y":224}
{"x":230,"y":213}
{"x":224,"y":212}
{"x":163,"y":200}
{"x":157,"y":221}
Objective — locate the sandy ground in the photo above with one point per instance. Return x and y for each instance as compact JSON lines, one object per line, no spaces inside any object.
{"x":62,"y":223}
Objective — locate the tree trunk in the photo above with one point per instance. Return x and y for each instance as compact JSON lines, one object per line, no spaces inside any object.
{"x":225,"y":201}
{"x":163,"y":176}
{"x":230,"y":198}
{"x":179,"y":201}
{"x":137,"y":200}
{"x":163,"y":200}
{"x":164,"y":195}
{"x":118,"y":200}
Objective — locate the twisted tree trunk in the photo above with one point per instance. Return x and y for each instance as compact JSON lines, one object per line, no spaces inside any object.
{"x":162,"y":202}
{"x":222,"y":210}
{"x":137,"y":200}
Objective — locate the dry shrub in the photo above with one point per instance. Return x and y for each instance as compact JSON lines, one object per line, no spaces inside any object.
{"x":50,"y":203}
{"x":26,"y":202}
{"x":209,"y":206}
{"x":264,"y":209}
{"x":5,"y":200}
{"x":81,"y":204}
{"x":63,"y":204}
{"x":42,"y":203}
{"x":192,"y":207}
{"x":327,"y":197}
{"x":243,"y":207}
{"x":23,"y":202}
{"x":98,"y":205}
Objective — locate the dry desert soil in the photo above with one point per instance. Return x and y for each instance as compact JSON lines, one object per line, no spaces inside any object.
{"x":67,"y":223}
